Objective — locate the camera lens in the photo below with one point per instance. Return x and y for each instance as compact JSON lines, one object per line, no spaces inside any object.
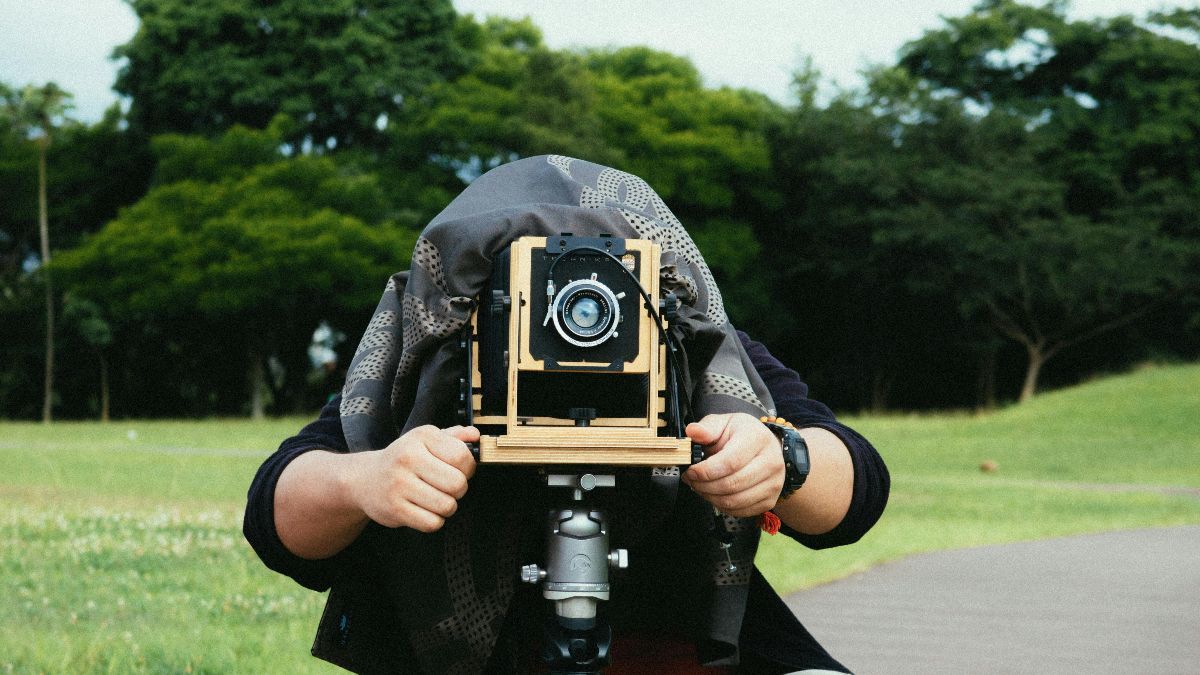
{"x":586,"y":313}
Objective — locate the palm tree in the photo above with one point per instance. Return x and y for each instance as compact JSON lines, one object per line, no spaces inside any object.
{"x":35,"y":113}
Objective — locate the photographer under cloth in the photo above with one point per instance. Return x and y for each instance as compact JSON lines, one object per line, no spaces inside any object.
{"x":381,"y":502}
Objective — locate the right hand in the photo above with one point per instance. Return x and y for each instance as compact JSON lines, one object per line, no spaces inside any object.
{"x":417,"y":480}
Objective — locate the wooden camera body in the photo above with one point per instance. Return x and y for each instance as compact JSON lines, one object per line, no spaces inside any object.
{"x":566,"y":362}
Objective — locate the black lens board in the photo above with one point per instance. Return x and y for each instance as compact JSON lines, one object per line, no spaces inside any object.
{"x":544,"y":341}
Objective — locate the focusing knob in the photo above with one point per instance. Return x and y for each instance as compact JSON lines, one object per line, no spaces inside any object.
{"x":501,"y":303}
{"x":583,"y":416}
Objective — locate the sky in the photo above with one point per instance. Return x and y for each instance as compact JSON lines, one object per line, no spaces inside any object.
{"x":756,"y":44}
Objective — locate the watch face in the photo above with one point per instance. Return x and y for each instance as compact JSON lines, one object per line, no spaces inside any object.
{"x":795,"y":456}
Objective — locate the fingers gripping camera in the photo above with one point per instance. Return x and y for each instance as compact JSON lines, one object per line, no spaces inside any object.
{"x":568,"y":362}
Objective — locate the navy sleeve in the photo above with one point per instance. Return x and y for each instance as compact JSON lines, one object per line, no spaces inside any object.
{"x":324,"y":433}
{"x":871,"y":480}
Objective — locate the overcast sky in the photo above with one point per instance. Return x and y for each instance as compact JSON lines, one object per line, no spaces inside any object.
{"x":755,"y":43}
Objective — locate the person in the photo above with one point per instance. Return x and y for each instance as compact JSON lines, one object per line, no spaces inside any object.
{"x":316,"y":512}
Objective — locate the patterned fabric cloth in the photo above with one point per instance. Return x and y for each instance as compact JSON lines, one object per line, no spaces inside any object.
{"x":468,"y":581}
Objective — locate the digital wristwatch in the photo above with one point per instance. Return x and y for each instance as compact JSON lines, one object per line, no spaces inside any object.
{"x":795,"y":454}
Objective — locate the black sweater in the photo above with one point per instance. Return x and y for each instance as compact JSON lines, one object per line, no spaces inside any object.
{"x":772,"y":640}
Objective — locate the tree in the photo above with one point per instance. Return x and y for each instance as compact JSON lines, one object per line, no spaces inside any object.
{"x":931,"y":229}
{"x":1114,"y":98}
{"x":19,"y":208}
{"x":36,"y":113}
{"x":97,"y":169}
{"x":636,"y":109}
{"x":983,"y":220}
{"x":518,"y":98}
{"x":88,"y":321}
{"x":1080,"y":224}
{"x":236,"y":255}
{"x":21,"y":359}
{"x":340,"y":68}
{"x":851,"y":321}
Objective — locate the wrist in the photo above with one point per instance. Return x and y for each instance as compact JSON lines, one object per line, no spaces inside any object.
{"x":349,"y":481}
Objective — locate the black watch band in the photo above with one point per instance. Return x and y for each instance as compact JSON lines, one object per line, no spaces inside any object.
{"x":795,"y":457}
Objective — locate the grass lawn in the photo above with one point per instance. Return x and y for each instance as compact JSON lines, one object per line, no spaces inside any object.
{"x":121,"y":550}
{"x":1101,"y":456}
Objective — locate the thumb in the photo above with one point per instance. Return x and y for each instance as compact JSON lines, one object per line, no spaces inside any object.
{"x":464,"y":434}
{"x":708,"y":430}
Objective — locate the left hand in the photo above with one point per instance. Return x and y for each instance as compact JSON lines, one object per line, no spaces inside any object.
{"x":742,"y":473}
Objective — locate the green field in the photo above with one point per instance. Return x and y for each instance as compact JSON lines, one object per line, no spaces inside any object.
{"x":121,"y":549}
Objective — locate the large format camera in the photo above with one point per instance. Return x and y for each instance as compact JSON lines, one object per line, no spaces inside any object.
{"x":571,"y":370}
{"x":569,"y":357}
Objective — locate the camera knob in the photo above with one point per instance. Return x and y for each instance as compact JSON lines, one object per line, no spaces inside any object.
{"x":532,"y":574}
{"x":619,"y":559}
{"x":501,"y":303}
{"x":583,"y":416}
{"x":668,"y":307}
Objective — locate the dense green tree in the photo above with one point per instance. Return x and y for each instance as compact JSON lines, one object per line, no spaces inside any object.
{"x":1091,"y":191}
{"x":637,"y":109}
{"x":238,"y":264}
{"x":984,"y":221}
{"x":96,"y":169}
{"x":19,"y":209}
{"x":844,"y":312}
{"x":92,"y":171}
{"x":37,"y":113}
{"x":340,"y":68}
{"x":22,"y":324}
{"x":88,"y":322}
{"x":1018,"y":184}
{"x":519,"y":98}
{"x":1115,"y":98}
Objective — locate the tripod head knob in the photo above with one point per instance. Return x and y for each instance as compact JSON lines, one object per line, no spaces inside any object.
{"x":532,"y":574}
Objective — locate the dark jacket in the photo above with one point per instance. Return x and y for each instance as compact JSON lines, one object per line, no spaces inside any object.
{"x":358,"y":630}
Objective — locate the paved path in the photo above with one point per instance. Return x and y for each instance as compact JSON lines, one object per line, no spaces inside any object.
{"x":1119,"y":602}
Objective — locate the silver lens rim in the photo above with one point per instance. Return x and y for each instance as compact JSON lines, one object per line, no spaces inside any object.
{"x":607,"y":297}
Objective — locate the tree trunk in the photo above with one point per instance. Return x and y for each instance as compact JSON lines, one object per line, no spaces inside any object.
{"x":44,"y":232}
{"x":258,"y":383}
{"x":104,"y":399}
{"x":1037,"y":358}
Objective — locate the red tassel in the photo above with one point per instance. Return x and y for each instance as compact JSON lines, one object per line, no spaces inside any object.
{"x":769,"y":522}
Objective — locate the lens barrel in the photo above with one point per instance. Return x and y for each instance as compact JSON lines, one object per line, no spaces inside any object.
{"x":586,"y":313}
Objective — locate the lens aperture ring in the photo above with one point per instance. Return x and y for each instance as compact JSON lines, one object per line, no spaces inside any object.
{"x":586,"y":313}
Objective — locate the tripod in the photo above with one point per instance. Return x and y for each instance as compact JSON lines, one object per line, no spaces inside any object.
{"x":575,"y":638}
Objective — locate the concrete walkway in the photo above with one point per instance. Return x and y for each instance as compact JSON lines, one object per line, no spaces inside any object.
{"x":1119,"y":602}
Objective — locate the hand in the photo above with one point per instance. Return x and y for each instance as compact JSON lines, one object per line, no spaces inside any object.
{"x":742,"y":473}
{"x":417,"y":480}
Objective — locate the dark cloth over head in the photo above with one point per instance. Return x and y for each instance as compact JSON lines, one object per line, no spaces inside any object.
{"x":455,"y":586}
